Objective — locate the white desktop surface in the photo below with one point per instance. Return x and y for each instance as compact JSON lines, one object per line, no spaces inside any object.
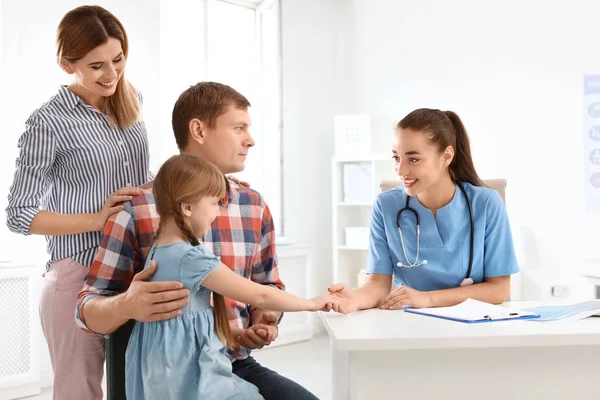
{"x":377,"y":353}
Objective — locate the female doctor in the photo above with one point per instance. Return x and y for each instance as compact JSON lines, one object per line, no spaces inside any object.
{"x":442,"y":236}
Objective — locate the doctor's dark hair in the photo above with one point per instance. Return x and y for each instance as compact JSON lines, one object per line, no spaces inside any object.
{"x":80,"y":31}
{"x":187,"y":179}
{"x":444,"y":128}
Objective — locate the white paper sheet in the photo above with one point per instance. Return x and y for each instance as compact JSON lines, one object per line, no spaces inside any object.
{"x":473,"y":310}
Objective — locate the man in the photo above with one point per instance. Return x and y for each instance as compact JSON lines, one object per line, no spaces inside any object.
{"x":210,"y":121}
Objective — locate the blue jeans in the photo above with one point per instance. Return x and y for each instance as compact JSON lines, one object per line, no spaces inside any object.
{"x":270,"y":384}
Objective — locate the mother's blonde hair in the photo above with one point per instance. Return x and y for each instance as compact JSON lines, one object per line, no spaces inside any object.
{"x":80,"y":31}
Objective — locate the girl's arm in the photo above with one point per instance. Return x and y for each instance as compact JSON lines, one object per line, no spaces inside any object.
{"x":379,"y":267}
{"x":229,"y":284}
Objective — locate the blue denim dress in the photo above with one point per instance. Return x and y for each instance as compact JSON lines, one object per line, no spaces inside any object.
{"x":183,"y":358}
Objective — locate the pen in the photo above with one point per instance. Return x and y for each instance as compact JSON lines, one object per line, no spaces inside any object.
{"x":496,"y":317}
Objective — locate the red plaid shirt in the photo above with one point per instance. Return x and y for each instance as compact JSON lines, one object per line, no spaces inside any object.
{"x":243,"y":236}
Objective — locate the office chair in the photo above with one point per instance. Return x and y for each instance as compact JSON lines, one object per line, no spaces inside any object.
{"x":115,"y":361}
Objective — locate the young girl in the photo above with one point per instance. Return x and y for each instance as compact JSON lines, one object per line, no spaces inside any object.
{"x":185,"y":357}
{"x":464,"y":247}
{"x":83,"y":153}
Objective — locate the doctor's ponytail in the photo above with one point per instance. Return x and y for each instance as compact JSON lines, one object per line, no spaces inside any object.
{"x":462,"y":167}
{"x":444,"y":128}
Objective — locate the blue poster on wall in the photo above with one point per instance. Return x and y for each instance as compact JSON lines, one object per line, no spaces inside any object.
{"x":591,"y":140}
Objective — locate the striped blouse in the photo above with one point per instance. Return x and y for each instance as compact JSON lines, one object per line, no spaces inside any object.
{"x":70,"y":160}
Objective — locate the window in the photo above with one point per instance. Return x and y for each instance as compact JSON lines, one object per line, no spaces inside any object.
{"x":242,"y":52}
{"x":234,"y":42}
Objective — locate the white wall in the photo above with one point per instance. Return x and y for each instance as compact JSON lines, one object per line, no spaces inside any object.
{"x":310,"y":99}
{"x":512,"y":70}
{"x":182,"y":61}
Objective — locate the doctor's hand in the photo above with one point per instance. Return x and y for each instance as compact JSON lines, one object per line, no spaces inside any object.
{"x":347,"y":301}
{"x":405,"y":296}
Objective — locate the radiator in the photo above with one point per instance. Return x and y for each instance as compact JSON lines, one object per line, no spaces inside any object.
{"x":19,"y":330}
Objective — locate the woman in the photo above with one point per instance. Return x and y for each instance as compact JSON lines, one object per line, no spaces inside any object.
{"x":82,"y":155}
{"x":442,"y":236}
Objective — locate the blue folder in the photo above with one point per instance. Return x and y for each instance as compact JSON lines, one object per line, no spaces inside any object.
{"x":574,"y":311}
{"x":484,"y":318}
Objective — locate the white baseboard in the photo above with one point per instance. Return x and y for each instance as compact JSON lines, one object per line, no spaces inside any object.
{"x":18,"y":392}
{"x":46,"y":379}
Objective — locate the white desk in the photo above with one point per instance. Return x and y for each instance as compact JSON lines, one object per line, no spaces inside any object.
{"x":392,"y":354}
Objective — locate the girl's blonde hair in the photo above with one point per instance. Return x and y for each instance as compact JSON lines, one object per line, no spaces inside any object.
{"x":83,"y":29}
{"x":187,"y":179}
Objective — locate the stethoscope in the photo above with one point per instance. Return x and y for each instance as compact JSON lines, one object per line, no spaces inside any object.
{"x":465,"y":282}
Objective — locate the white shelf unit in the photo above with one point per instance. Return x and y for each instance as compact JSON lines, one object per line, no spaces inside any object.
{"x":350,"y":258}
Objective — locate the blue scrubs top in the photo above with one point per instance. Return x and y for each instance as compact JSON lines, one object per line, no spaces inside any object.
{"x":444,"y":239}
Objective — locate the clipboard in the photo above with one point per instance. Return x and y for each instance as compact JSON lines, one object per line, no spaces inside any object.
{"x":473,"y":311}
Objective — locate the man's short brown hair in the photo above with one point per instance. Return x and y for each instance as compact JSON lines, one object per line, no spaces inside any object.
{"x":205,"y":101}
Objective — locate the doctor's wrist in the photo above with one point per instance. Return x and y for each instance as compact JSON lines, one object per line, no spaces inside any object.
{"x":431,"y":299}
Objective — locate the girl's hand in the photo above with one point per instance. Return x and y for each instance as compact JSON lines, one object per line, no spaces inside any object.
{"x":323,"y":302}
{"x":114,"y":204}
{"x":405,"y":296}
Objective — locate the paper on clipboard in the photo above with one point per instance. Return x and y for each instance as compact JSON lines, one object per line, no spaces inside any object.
{"x":472,"y":311}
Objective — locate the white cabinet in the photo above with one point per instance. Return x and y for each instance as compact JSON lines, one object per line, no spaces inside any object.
{"x":295,"y":263}
{"x":355,"y":185}
{"x":20,"y":333}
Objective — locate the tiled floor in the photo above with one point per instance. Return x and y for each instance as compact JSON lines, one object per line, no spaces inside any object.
{"x":307,"y":363}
